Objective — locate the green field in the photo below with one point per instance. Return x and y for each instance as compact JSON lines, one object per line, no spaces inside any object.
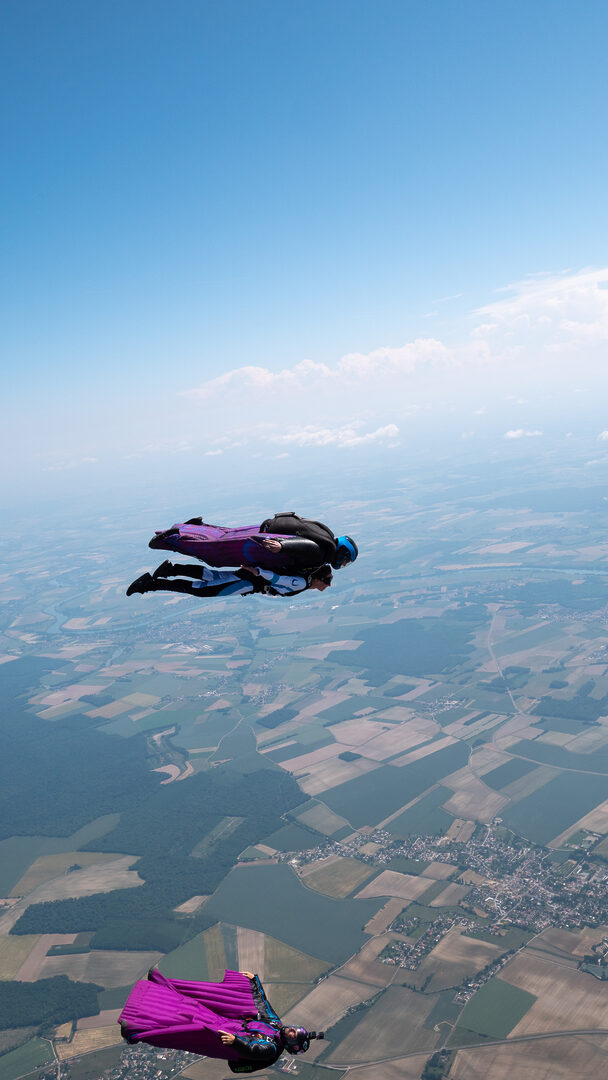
{"x":93,"y":1066}
{"x":271,"y":899}
{"x":425,"y":817}
{"x":370,"y":798}
{"x":546,"y":813}
{"x":293,"y":838}
{"x":19,"y":852}
{"x":513,"y":938}
{"x":496,"y":1009}
{"x":24,"y":1059}
{"x":189,"y":961}
{"x":505,"y":774}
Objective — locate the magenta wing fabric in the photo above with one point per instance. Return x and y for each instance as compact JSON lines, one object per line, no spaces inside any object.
{"x":217,"y":546}
{"x":182,"y":1015}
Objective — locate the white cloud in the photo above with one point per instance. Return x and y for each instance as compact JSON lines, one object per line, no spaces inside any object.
{"x":344,"y":436}
{"x":70,"y":463}
{"x":213,"y":453}
{"x":383,"y":363}
{"x":603,"y":435}
{"x":519,"y":433}
{"x":559,"y":309}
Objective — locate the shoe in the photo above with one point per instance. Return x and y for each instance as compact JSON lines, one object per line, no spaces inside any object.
{"x":166,"y":569}
{"x":194,"y":521}
{"x":142,"y":584}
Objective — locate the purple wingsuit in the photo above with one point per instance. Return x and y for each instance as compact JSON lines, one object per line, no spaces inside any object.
{"x":182,"y":1015}
{"x":217,"y":546}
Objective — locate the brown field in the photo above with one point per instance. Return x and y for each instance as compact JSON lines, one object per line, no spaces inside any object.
{"x":322,"y":818}
{"x":330,"y":773}
{"x":365,"y":968}
{"x":281,"y":962}
{"x":384,"y":917}
{"x":328,"y":1002}
{"x":190,"y":906}
{"x":476,"y":801}
{"x":370,"y":849}
{"x":566,"y":1058}
{"x":439,"y":870}
{"x":398,"y":738}
{"x":471,"y":877}
{"x":250,"y":946}
{"x":423,"y":751}
{"x":304,"y":762}
{"x":450,"y":896}
{"x":321,"y":652}
{"x":107,"y":872}
{"x":392,"y":883}
{"x":532,"y":781}
{"x":215,"y":953}
{"x":460,"y":830}
{"x":357,"y":731}
{"x":567,"y":999}
{"x":409,"y":1068}
{"x":14,"y":951}
{"x":102,"y":1019}
{"x":574,"y":943}
{"x":325,"y":699}
{"x":70,"y":693}
{"x":86,"y":1041}
{"x":141,"y":699}
{"x":555,"y":738}
{"x":103,"y":966}
{"x":337,"y":878}
{"x":454,"y":957}
{"x":392,"y":1025}
{"x":590,"y":740}
{"x":32,"y":964}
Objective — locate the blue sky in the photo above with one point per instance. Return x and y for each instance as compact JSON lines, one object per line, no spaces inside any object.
{"x":191,"y":189}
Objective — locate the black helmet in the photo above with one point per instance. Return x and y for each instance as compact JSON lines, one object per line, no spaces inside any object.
{"x":300,"y":1041}
{"x":323,"y":573}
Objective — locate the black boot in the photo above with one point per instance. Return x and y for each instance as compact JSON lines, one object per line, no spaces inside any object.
{"x":166,"y":569}
{"x":142,"y":584}
{"x":194,"y":521}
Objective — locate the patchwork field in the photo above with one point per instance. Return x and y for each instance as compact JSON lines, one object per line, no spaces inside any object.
{"x":14,"y":951}
{"x":105,"y":967}
{"x":365,"y":967}
{"x":24,"y":1059}
{"x":336,"y":876}
{"x":392,"y":883}
{"x":566,"y":999}
{"x":452,"y":959}
{"x":565,"y":1058}
{"x":496,"y":1009}
{"x":393,"y":1025}
{"x":329,"y":1001}
{"x":86,"y":1041}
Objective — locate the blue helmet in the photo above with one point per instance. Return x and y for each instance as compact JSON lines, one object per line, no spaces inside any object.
{"x":346,"y":552}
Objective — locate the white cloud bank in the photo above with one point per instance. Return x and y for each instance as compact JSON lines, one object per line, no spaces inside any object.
{"x":519,"y":433}
{"x":344,"y":437}
{"x":549,"y":322}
